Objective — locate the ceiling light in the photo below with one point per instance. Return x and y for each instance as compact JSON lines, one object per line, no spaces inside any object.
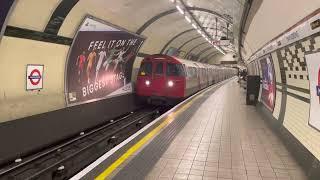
{"x":172,"y":1}
{"x":203,"y":35}
{"x":199,"y":31}
{"x":188,"y":19}
{"x":220,"y":50}
{"x":194,"y":26}
{"x":180,"y":10}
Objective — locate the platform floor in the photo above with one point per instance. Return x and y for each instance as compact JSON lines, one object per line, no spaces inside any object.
{"x":216,"y":137}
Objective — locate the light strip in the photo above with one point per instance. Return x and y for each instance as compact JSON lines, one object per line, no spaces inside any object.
{"x":179,"y":9}
{"x":203,"y":34}
{"x":188,"y":19}
{"x":219,"y":49}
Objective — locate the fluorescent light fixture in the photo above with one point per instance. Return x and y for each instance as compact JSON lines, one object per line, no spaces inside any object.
{"x":188,"y":19}
{"x":203,"y":35}
{"x":199,"y":31}
{"x":220,"y":50}
{"x":172,"y":1}
{"x":194,"y":26}
{"x":179,"y":9}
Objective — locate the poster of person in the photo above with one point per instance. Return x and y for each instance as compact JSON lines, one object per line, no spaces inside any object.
{"x":5,"y":7}
{"x":268,"y":92}
{"x":100,"y":62}
{"x":313,"y":64}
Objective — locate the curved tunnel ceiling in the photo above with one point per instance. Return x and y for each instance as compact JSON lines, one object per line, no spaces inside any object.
{"x":163,"y":29}
{"x":185,"y":33}
{"x":163,"y":14}
{"x":192,"y":45}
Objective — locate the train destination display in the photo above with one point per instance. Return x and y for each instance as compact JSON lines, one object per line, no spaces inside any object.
{"x":100,"y":62}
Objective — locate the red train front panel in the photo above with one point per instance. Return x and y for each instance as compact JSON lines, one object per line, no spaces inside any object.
{"x":161,"y":78}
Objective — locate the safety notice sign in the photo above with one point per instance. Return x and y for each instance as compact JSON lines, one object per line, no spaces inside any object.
{"x":34,"y":77}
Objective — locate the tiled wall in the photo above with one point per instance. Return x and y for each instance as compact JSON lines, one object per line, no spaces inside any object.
{"x":298,"y":100}
{"x":292,"y":80}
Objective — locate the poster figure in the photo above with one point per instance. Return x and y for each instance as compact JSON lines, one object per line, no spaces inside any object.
{"x":80,"y":63}
{"x":102,"y":55}
{"x":120,"y":58}
{"x":100,"y":62}
{"x":268,"y":92}
{"x":109,"y":59}
{"x":91,"y":60}
{"x":313,"y":64}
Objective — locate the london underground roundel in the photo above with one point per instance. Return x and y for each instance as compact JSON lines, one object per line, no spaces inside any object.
{"x":34,"y":77}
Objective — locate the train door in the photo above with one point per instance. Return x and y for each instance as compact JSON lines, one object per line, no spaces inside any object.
{"x":176,"y":80}
{"x":197,"y":71}
{"x":158,"y":79}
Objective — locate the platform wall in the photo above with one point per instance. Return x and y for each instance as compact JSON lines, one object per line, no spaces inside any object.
{"x":31,"y":120}
{"x":272,"y":18}
{"x":292,"y":108}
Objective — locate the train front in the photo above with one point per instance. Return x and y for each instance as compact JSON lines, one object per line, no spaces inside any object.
{"x":161,"y":80}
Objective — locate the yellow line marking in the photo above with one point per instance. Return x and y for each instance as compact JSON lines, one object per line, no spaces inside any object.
{"x":140,"y":143}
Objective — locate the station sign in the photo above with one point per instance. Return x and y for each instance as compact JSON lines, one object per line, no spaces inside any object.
{"x":34,"y":77}
{"x":223,"y":42}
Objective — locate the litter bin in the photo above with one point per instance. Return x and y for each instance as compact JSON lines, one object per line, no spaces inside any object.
{"x":253,"y":87}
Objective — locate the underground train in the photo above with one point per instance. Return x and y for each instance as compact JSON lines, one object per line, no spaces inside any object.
{"x":166,"y":80}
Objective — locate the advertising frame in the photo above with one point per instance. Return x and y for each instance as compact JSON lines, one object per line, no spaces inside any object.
{"x":6,"y":19}
{"x":66,"y":90}
{"x":310,"y":104}
{"x":274,"y":82}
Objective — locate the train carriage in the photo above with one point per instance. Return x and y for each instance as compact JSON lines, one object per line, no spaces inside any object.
{"x":166,"y":79}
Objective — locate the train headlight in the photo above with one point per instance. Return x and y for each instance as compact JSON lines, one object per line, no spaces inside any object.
{"x":170,"y":83}
{"x":147,"y":82}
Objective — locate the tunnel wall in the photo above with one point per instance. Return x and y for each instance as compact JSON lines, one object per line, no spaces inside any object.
{"x":291,"y":113}
{"x":272,"y":18}
{"x":31,"y":120}
{"x":41,"y":32}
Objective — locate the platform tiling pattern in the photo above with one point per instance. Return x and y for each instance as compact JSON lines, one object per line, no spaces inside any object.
{"x":226,"y":140}
{"x":292,"y":60}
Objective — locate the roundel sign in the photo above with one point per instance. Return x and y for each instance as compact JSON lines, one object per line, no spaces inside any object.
{"x":34,"y":77}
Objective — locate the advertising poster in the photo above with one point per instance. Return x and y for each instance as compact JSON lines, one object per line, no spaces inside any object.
{"x":268,"y":92}
{"x":313,"y":63}
{"x":100,"y":62}
{"x":5,"y":6}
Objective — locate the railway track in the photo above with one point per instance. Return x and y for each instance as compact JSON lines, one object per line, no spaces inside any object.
{"x":64,"y":160}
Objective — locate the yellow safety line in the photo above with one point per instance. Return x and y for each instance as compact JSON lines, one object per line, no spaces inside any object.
{"x":141,"y":142}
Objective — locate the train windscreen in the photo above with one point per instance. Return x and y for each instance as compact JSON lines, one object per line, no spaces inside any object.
{"x":175,"y":70}
{"x":145,"y":69}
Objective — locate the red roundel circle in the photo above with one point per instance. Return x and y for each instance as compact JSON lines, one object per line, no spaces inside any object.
{"x":35,"y":77}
